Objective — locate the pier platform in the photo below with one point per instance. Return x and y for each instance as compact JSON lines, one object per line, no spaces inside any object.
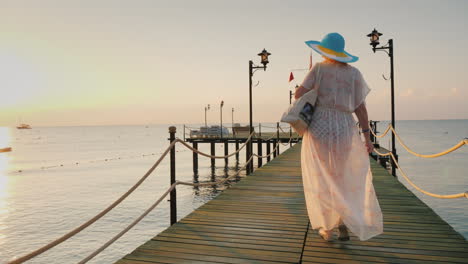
{"x":263,"y":219}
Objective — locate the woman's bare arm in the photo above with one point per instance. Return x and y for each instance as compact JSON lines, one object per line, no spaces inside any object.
{"x":361,"y":113}
{"x":300,"y":91}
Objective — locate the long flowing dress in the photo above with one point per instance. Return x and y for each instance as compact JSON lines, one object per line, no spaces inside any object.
{"x":335,"y":164}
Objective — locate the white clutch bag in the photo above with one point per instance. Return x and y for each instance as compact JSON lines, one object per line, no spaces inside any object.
{"x":299,"y":114}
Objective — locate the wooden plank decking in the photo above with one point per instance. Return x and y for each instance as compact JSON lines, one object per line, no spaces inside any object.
{"x":262,"y":219}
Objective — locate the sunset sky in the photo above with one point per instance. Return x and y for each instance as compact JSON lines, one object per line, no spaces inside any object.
{"x":106,"y":62}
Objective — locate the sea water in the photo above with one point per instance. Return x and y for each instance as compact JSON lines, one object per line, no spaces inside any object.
{"x":56,"y":178}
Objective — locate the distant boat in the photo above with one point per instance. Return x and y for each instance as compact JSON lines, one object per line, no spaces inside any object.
{"x":23,"y":126}
{"x":5,"y":150}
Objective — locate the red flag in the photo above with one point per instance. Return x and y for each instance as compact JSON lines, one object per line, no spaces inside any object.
{"x":291,"y":77}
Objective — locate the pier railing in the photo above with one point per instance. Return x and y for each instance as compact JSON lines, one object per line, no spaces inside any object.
{"x":173,"y":183}
{"x":171,"y":191}
{"x":435,"y":155}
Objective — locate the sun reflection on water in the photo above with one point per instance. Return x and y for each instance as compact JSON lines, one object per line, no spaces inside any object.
{"x":5,"y":140}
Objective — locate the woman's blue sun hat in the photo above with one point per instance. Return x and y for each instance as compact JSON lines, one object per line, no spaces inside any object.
{"x":332,"y":46}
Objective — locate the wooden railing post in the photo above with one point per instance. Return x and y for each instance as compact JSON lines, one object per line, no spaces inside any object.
{"x":237,"y":148}
{"x":275,"y":142}
{"x":278,"y":138}
{"x":195,"y":159}
{"x":173,"y":196}
{"x":259,"y":152}
{"x":247,"y":157}
{"x":268,"y":150}
{"x":213,"y":152}
{"x":226,"y":152}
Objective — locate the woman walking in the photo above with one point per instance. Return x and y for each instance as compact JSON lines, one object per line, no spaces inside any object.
{"x":335,"y":163}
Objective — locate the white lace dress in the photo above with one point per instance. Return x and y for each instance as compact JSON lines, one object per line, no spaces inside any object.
{"x":335,"y":164}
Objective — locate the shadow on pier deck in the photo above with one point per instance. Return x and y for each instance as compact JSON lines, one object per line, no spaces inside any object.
{"x":263,"y":219}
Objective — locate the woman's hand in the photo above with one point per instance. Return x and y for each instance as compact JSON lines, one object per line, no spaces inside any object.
{"x":369,"y":146}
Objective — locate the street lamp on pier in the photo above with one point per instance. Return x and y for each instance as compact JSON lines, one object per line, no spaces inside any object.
{"x":374,"y":42}
{"x":232,"y":117}
{"x":206,"y":109}
{"x":221,"y":116}
{"x":263,"y":60}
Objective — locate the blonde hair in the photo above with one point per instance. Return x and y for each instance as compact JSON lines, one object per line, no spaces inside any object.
{"x":329,"y":60}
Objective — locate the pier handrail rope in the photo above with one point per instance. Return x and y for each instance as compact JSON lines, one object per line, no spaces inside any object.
{"x":273,"y":150}
{"x":383,"y":134}
{"x":273,"y":136}
{"x":450,"y":196}
{"x":116,"y":202}
{"x":96,"y":217}
{"x":136,"y":221}
{"x":445,"y":152}
{"x":285,"y":144}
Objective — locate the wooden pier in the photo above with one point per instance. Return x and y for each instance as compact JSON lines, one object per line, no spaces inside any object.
{"x":262,"y":219}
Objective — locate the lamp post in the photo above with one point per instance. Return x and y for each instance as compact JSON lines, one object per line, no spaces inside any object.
{"x":374,"y":41}
{"x":206,"y":109}
{"x":291,"y":93}
{"x":290,"y":102}
{"x":232,"y":117}
{"x":263,"y":60}
{"x":221,"y":116}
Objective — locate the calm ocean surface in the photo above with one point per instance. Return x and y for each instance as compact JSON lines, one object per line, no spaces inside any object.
{"x":58,"y":177}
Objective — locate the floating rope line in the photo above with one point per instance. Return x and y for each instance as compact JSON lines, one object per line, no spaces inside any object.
{"x":89,"y":161}
{"x":451,"y":196}
{"x":95,"y":218}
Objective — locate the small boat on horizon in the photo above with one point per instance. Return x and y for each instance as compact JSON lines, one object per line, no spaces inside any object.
{"x":23,"y":126}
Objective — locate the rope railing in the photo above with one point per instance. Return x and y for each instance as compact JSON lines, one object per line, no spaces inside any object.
{"x":445,"y":152}
{"x":383,"y":134}
{"x":125,"y":195}
{"x":451,"y":196}
{"x":95,"y":218}
{"x":136,"y":221}
{"x":273,"y":136}
{"x":216,"y":157}
{"x":273,"y":150}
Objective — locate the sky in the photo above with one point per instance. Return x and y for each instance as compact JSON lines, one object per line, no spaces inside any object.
{"x":116,"y":62}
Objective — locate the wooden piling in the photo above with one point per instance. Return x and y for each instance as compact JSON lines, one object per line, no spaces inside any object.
{"x":213,"y":152}
{"x":195,"y":159}
{"x":268,"y":150}
{"x":237,"y":148}
{"x":226,"y":152}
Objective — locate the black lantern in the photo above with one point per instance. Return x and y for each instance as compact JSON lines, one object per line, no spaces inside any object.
{"x":264,"y":58}
{"x":387,"y":48}
{"x":374,"y":38}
